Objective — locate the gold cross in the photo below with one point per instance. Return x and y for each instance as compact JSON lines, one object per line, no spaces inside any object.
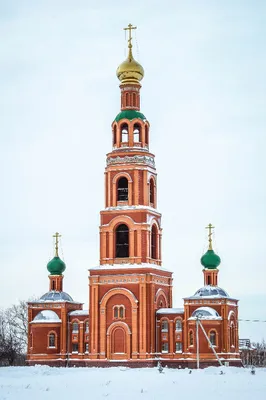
{"x":210,"y":227}
{"x":56,"y":236}
{"x":129,"y":28}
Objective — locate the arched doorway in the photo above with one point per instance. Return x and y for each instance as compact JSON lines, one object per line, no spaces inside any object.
{"x":118,"y":342}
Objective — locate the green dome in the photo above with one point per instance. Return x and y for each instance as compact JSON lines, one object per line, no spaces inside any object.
{"x":210,"y":260}
{"x":130,"y":114}
{"x":56,"y":266}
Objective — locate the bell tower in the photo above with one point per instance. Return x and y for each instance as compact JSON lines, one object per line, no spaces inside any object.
{"x":130,"y":284}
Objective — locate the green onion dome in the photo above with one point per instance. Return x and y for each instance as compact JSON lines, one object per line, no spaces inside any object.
{"x":210,"y":260}
{"x":56,"y":266}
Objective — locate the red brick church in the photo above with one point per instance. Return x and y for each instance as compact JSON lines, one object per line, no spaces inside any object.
{"x":131,"y":318}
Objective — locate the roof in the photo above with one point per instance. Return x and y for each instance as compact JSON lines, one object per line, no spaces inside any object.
{"x":205,"y":313}
{"x":130,"y":114}
{"x":79,"y":312}
{"x":170,"y":311}
{"x":47,"y":316}
{"x":54,"y":295}
{"x":209,"y":291}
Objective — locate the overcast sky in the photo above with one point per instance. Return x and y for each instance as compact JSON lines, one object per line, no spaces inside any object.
{"x":204,"y":94}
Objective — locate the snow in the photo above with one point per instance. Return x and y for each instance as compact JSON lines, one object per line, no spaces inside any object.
{"x":79,"y":312}
{"x":46,"y":316}
{"x":45,"y":383}
{"x":205,"y":313}
{"x":128,"y":266}
{"x":170,"y":311}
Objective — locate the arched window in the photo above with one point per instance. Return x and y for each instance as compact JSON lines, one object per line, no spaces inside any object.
{"x":232,"y":334}
{"x":122,"y":189}
{"x":114,"y":136}
{"x":136,"y":132}
{"x":87,"y":327}
{"x":213,"y":338}
{"x":190,"y":339}
{"x":127,"y":99}
{"x":164,"y":326}
{"x":115,"y":312}
{"x":75,"y":327}
{"x":153,"y":242}
{"x":31,"y":340}
{"x":53,"y":285}
{"x":51,"y":340}
{"x":134,"y":99}
{"x":121,"y":312}
{"x":178,"y":325}
{"x":124,"y":131}
{"x":146,"y":135}
{"x":208,"y":280}
{"x":152,"y":192}
{"x":122,"y":241}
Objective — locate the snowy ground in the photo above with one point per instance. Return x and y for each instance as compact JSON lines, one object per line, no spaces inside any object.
{"x":41,"y":382}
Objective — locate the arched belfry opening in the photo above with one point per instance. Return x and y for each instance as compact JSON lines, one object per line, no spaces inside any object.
{"x":137,"y":133}
{"x":114,"y":135}
{"x":146,"y":135}
{"x":122,"y":241}
{"x":124,"y":133}
{"x":152,"y":193}
{"x":122,"y":189}
{"x":154,"y":242}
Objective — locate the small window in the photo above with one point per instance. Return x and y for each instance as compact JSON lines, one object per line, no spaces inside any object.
{"x":191,"y":339}
{"x":134,"y":99}
{"x":121,"y":312}
{"x":213,"y":338}
{"x":114,"y":136}
{"x":116,"y":312}
{"x":52,"y":340}
{"x":75,"y":347}
{"x":208,"y":280}
{"x":86,"y":326}
{"x":178,"y":347}
{"x":164,"y":347}
{"x":75,"y":327}
{"x":86,"y":347}
{"x":164,"y":326}
{"x":53,"y":285}
{"x":178,"y":325}
{"x":146,"y":135}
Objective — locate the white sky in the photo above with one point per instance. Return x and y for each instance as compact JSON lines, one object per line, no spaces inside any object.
{"x":204,"y":95}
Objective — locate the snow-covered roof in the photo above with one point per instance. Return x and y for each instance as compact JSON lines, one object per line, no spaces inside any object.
{"x":79,"y":312}
{"x":170,"y":311}
{"x":210,"y":292}
{"x":46,"y":316}
{"x":205,"y":313}
{"x":128,"y":266}
{"x":54,"y":295}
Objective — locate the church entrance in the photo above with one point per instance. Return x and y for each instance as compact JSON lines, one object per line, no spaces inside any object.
{"x":118,"y":342}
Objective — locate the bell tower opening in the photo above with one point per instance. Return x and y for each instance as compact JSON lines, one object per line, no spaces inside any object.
{"x":122,"y":189}
{"x":122,"y":241}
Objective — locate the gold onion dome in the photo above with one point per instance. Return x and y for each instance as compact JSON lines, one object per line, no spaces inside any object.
{"x":130,"y":71}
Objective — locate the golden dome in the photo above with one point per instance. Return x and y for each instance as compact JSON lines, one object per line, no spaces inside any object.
{"x":130,"y":71}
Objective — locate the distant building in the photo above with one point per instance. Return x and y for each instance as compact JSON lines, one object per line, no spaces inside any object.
{"x":131,"y":318}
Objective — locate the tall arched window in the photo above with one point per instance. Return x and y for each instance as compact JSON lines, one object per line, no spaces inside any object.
{"x":213,"y":338}
{"x":87,"y":327}
{"x":164,"y":326}
{"x":124,"y":131}
{"x":122,"y":189}
{"x":152,"y":197}
{"x":232,"y":334}
{"x":153,"y":242}
{"x":134,"y":99}
{"x":146,"y":135}
{"x":127,"y":99}
{"x":137,"y":133}
{"x":114,"y":136}
{"x":178,"y":325}
{"x":122,"y":241}
{"x":75,"y":327}
{"x":53,"y":285}
{"x":190,"y":339}
{"x":51,"y":340}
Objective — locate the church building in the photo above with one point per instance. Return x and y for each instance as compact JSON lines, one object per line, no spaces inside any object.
{"x":130,"y":318}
